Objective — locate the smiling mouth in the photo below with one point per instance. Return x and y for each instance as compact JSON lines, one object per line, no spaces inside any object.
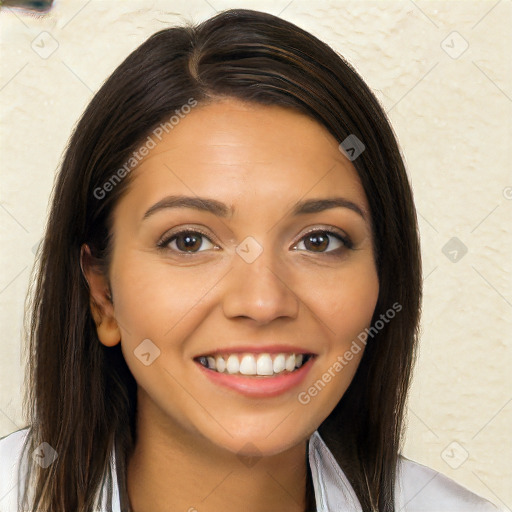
{"x":258,"y":365}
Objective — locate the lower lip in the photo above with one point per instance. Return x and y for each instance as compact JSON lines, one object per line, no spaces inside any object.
{"x":259,"y":387}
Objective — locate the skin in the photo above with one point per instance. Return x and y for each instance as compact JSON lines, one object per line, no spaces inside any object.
{"x":194,"y":437}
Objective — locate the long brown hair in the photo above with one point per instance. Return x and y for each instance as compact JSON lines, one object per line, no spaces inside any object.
{"x":80,"y":394}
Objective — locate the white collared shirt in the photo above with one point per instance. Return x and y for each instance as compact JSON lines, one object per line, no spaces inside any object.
{"x":418,"y":488}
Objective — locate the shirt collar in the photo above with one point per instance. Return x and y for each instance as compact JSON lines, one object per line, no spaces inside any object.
{"x":332,"y":489}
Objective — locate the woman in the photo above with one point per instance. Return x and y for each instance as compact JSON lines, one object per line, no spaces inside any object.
{"x":227,"y":307}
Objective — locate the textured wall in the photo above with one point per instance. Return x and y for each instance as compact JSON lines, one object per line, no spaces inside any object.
{"x":442,"y":70}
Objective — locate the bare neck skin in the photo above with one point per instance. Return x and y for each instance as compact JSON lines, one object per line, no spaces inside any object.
{"x":172,"y":470}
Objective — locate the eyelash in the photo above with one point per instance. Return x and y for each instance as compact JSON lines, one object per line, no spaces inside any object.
{"x":347,"y":243}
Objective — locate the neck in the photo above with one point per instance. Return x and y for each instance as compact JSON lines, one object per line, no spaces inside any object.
{"x":174,"y":469}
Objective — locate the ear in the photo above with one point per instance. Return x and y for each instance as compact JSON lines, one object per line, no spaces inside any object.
{"x":102,"y":306}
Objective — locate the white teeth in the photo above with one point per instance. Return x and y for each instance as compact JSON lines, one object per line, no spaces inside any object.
{"x":220,"y":364}
{"x":264,"y":365}
{"x":232,"y":364}
{"x":290,"y":363}
{"x":248,"y":365}
{"x":254,"y":364}
{"x":279,"y":363}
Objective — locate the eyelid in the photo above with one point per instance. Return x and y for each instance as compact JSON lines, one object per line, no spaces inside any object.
{"x":327,"y":229}
{"x":167,"y":237}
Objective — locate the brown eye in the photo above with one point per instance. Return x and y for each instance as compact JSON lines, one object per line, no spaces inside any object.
{"x":319,"y":241}
{"x":187,"y":242}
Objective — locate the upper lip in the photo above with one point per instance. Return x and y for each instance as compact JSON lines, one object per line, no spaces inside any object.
{"x":257,"y":349}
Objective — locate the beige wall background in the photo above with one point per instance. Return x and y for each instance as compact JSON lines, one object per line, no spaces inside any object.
{"x":442,"y":71}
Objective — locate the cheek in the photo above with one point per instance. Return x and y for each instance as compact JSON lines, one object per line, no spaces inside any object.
{"x":136,"y":292}
{"x":155,"y":301}
{"x":344,"y":311}
{"x":346,"y":308}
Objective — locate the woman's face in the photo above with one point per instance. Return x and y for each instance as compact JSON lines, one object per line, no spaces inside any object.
{"x":247,"y":270}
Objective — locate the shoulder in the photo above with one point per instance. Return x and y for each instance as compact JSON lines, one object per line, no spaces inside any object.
{"x":418,"y":488}
{"x":13,"y":480}
{"x":423,"y":489}
{"x":11,"y":447}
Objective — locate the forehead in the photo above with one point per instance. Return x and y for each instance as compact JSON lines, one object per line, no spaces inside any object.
{"x":232,"y":128}
{"x":240,"y":151}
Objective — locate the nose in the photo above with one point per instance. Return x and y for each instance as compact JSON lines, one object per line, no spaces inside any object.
{"x":259,"y":290}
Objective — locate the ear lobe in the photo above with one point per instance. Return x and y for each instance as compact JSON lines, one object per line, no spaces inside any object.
{"x":100,"y":301}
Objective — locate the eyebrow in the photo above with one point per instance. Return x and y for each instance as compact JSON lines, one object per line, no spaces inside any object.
{"x":222,"y":210}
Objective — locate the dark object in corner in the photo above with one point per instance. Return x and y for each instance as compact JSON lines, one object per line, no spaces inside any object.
{"x":32,"y":5}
